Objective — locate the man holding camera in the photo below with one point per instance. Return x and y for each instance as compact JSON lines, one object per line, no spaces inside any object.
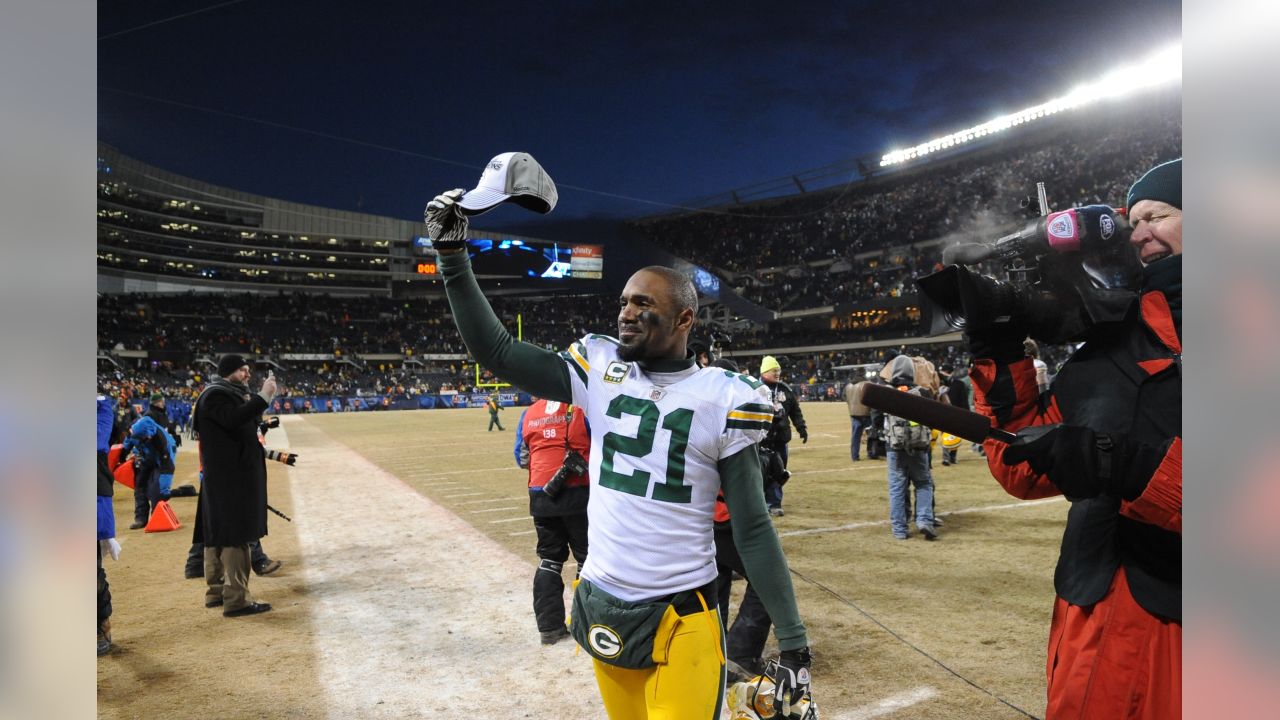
{"x":553,"y":444}
{"x":786,"y":412}
{"x":1107,"y":435}
{"x":232,"y":509}
{"x":666,"y":438}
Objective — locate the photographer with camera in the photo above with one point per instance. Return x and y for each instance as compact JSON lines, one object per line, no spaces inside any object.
{"x":553,"y":444}
{"x":786,"y":412}
{"x":1107,"y":435}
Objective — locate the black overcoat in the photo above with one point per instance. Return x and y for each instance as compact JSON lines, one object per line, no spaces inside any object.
{"x":232,"y":509}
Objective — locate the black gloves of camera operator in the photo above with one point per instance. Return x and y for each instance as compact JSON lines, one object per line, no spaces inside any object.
{"x":1085,"y":464}
{"x":446,"y":224}
{"x":792,"y":681}
{"x":1001,"y":342}
{"x":804,"y":437}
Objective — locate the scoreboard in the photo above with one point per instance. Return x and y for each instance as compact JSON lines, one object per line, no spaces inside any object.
{"x":518,"y":257}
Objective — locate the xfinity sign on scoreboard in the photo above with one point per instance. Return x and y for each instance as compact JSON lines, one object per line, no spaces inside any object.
{"x":587,"y":262}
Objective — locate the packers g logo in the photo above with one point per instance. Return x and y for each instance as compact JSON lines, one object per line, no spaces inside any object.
{"x":604,"y":641}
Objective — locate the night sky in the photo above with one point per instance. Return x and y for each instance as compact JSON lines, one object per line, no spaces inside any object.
{"x":376,"y":106}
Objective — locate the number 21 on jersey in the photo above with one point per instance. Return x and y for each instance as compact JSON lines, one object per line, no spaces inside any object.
{"x":678,"y":421}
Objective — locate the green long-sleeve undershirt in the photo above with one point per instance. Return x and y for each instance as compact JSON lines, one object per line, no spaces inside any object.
{"x":544,"y":374}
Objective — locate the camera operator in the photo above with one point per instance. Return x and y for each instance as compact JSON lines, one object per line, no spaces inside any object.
{"x":1114,"y":449}
{"x":553,"y":444}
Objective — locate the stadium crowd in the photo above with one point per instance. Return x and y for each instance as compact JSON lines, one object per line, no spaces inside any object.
{"x":770,"y":250}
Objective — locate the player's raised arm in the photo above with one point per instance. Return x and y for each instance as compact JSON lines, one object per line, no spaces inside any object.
{"x":529,"y":367}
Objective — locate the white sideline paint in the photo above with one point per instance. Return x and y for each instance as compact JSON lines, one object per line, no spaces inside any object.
{"x":393,"y":634}
{"x":504,"y":468}
{"x":962,"y":511}
{"x":458,"y":495}
{"x":874,"y":465}
{"x":890,"y":705}
{"x":501,"y":509}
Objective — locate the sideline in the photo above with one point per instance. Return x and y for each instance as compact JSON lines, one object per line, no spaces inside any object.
{"x":413,"y":608}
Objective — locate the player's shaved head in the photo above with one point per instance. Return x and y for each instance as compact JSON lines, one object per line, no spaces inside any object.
{"x":657,"y":309}
{"x":682,"y":294}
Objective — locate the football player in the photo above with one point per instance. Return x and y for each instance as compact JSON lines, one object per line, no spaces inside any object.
{"x":666,"y":437}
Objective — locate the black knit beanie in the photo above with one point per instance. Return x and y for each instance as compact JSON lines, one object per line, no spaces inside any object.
{"x":230,"y":363}
{"x":1162,"y":182}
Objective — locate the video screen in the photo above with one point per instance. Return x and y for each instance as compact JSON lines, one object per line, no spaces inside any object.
{"x":517,"y":257}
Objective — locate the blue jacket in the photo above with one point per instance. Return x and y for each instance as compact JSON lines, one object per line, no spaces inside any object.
{"x":106,"y":418}
{"x":106,"y":511}
{"x":155,"y":447}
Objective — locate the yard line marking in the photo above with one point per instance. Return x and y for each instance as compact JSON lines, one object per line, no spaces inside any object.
{"x":458,"y":495}
{"x":523,"y":532}
{"x":792,"y":447}
{"x":486,"y":500}
{"x":507,"y":520}
{"x":501,"y":509}
{"x":878,"y":465}
{"x":504,"y":468}
{"x":436,"y":485}
{"x":468,"y":453}
{"x":878,"y":523}
{"x":891,"y":704}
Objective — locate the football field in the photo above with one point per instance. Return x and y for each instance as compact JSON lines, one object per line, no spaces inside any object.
{"x":406,"y":587}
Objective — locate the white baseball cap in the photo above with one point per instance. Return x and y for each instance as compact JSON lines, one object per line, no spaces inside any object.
{"x":513,"y":176}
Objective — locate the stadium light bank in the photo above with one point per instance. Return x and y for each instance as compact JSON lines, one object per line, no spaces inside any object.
{"x":1163,"y":67}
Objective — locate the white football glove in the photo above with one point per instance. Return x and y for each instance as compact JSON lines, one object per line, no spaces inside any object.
{"x":446,"y":224}
{"x":111,"y":547}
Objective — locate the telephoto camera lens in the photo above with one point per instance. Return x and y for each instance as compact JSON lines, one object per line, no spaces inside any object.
{"x":556,"y":483}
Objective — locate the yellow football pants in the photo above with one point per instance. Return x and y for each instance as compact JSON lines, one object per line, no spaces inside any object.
{"x":688,"y":681}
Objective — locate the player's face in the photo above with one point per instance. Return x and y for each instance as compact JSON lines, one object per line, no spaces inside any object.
{"x":1157,"y":230}
{"x":648,"y":325}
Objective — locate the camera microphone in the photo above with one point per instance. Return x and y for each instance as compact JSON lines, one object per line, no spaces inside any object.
{"x":1086,"y":228}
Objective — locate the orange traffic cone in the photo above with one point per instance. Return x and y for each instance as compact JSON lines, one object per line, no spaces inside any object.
{"x":115,"y":456}
{"x":124,"y":474}
{"x":163,"y":519}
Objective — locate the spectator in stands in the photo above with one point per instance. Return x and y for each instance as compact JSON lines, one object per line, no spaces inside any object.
{"x":786,"y":411}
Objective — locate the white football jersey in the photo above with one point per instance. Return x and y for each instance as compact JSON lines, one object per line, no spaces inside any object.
{"x":654,"y":478}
